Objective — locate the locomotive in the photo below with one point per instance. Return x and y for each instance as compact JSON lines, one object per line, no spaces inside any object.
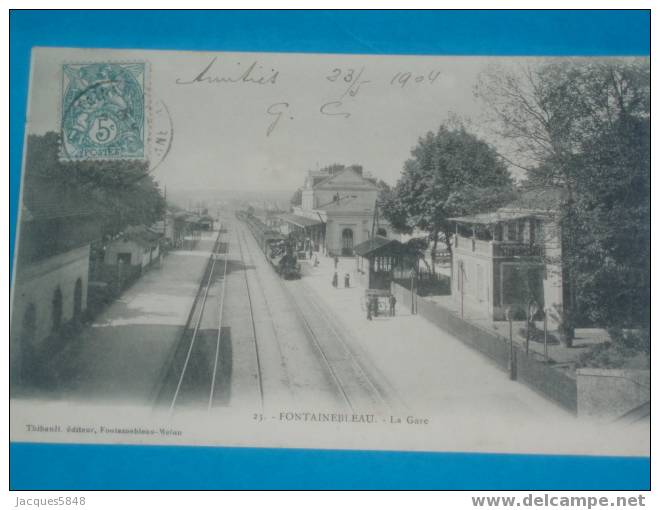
{"x":278,"y":249}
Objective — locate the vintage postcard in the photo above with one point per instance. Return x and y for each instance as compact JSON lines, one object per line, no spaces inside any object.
{"x":334,"y":251}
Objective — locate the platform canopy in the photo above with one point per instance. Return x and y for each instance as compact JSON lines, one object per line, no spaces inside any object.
{"x":300,"y":221}
{"x":379,"y":246}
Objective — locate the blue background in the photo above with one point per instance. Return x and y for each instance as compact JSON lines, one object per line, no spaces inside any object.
{"x":48,"y":466}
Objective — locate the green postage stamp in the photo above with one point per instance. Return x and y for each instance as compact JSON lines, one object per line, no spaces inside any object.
{"x":103,"y":110}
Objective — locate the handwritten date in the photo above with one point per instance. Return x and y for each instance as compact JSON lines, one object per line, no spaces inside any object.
{"x":404,"y":78}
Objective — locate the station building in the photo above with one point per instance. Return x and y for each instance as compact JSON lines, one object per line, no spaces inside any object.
{"x":337,"y":211}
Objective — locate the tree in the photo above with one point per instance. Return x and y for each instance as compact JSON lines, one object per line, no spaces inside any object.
{"x":611,"y":259}
{"x":384,"y":191}
{"x":123,"y":192}
{"x":585,"y":126}
{"x":447,"y":170}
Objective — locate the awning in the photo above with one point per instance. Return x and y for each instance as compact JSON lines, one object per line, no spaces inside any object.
{"x":300,"y":221}
{"x":491,"y":217}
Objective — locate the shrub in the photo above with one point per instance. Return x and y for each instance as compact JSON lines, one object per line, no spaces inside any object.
{"x":638,"y":340}
{"x":537,"y":335}
{"x":628,"y":349}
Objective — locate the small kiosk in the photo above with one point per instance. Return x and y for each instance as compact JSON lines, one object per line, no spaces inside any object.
{"x":379,"y":262}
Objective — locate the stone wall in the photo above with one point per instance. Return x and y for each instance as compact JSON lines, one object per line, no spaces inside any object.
{"x":36,"y":285}
{"x":551,"y":383}
{"x":608,"y":394}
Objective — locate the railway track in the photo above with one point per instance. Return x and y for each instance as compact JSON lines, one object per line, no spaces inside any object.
{"x":197,"y":377}
{"x":358,"y":391}
{"x":192,"y":376}
{"x":252,"y":322}
{"x":354,"y":387}
{"x":338,"y":348}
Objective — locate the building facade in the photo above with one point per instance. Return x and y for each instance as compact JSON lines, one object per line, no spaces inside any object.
{"x":337,"y":211}
{"x":506,"y":259}
{"x":51,"y":274}
{"x":130,"y":255}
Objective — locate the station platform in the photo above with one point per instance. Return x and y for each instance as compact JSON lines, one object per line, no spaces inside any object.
{"x":120,"y":355}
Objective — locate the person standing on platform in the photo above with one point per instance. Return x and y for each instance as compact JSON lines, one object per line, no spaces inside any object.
{"x":335,"y":280}
{"x":392,"y":305}
{"x":347,"y":281}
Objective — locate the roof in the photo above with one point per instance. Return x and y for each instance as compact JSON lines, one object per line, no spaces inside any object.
{"x":363,"y":180}
{"x":340,"y":203}
{"x":528,"y":204}
{"x":541,"y":199}
{"x":273,"y":235}
{"x":301,"y":221}
{"x":491,"y":217}
{"x":316,"y":176}
{"x":141,"y":230}
{"x":381,"y":246}
{"x":140,"y":235}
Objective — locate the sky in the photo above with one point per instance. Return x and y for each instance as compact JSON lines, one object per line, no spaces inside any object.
{"x":259,"y":122}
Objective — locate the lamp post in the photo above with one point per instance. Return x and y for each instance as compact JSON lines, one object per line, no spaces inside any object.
{"x":412,"y":291}
{"x":462,"y":271}
{"x":512,"y":352}
{"x":545,"y":334}
{"x":532,"y":309}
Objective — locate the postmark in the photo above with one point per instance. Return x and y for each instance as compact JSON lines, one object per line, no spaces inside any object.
{"x":161,"y":133}
{"x":103,"y":109}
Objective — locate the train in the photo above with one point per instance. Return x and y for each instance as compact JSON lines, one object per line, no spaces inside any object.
{"x":278,"y":248}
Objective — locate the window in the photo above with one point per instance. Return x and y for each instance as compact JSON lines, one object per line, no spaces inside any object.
{"x":77,"y":300}
{"x":521,"y":283}
{"x":480,"y":282}
{"x":27,"y":347}
{"x":57,"y":309}
{"x":347,"y":242}
{"x":498,"y":232}
{"x":512,"y":231}
{"x":540,"y":233}
{"x":29,"y":325}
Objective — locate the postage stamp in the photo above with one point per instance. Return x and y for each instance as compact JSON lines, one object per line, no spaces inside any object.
{"x":103,"y":111}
